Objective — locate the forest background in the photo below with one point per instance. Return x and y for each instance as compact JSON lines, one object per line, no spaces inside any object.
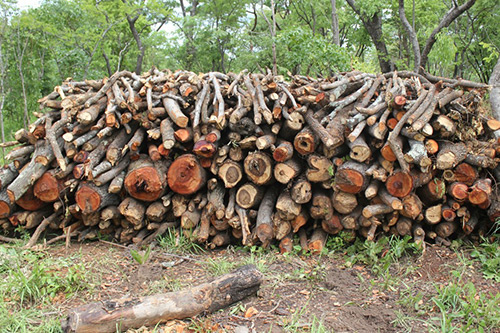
{"x":43,"y":45}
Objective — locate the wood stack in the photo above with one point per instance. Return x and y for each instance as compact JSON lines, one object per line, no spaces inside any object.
{"x":254,"y":159}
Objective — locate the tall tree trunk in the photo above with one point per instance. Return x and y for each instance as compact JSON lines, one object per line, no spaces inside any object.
{"x":335,"y":23}
{"x":411,"y":34}
{"x":495,"y":93}
{"x":452,"y":14}
{"x":373,"y":25}
{"x":137,"y":37}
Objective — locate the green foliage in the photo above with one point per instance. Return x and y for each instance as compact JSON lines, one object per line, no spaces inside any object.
{"x":381,"y":254}
{"x":488,"y":254}
{"x":302,"y":52}
{"x":141,"y":257}
{"x":463,"y":309}
{"x":177,"y":242}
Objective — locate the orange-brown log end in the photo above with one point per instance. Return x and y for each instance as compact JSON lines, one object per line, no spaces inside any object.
{"x":144,"y":184}
{"x":186,"y":175}
{"x":399,"y":184}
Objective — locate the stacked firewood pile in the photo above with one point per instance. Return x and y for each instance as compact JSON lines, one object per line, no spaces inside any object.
{"x":253,"y":159}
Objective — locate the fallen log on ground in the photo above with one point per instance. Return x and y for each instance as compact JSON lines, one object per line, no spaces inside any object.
{"x":123,"y":314}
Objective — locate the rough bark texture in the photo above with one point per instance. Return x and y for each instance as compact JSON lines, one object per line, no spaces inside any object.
{"x":150,"y":310}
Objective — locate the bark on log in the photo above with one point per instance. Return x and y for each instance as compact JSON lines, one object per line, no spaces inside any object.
{"x":351,"y":177}
{"x":91,"y":198}
{"x":151,"y":310}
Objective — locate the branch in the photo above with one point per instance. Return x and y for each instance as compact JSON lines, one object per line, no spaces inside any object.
{"x":452,"y":14}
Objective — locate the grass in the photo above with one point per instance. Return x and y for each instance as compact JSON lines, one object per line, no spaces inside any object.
{"x":177,"y":242}
{"x":29,"y":284}
{"x":457,"y":305}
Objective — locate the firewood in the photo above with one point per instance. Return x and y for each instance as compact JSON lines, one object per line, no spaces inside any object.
{"x":258,"y":167}
{"x":133,"y":211}
{"x":450,"y":155}
{"x":344,"y":202}
{"x":263,"y":227}
{"x":351,"y":177}
{"x":185,"y":175}
{"x":301,"y":190}
{"x":320,"y":169}
{"x":286,"y":208}
{"x":231,"y":173}
{"x":249,"y":195}
{"x":92,"y":198}
{"x":286,"y":171}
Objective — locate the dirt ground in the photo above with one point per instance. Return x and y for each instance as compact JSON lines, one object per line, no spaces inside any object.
{"x":299,"y":293}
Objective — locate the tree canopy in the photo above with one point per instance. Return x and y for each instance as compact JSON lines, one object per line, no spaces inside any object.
{"x":81,"y":39}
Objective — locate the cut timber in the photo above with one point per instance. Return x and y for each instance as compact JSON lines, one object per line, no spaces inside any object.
{"x":259,"y":168}
{"x":185,"y":175}
{"x":286,"y":208}
{"x":446,"y":229}
{"x":344,"y":202}
{"x":283,"y":152}
{"x":359,"y":150}
{"x":399,"y":184}
{"x":47,"y":188}
{"x":175,"y":113}
{"x":320,"y":168}
{"x":231,"y":173}
{"x":351,"y":177}
{"x":249,"y":195}
{"x":146,"y":180}
{"x":286,"y":171}
{"x":317,"y":241}
{"x":91,"y":198}
{"x":156,"y":212}
{"x":264,"y":223}
{"x":412,"y":207}
{"x":321,"y":206}
{"x":301,"y":191}
{"x":29,"y":202}
{"x":305,"y":142}
{"x":480,"y":192}
{"x":458,"y":191}
{"x":432,"y":191}
{"x":433,"y":214}
{"x":450,"y":155}
{"x":465,"y":173}
{"x":42,"y":157}
{"x":332,"y":225}
{"x":6,"y":206}
{"x":106,"y":316}
{"x":133,"y":211}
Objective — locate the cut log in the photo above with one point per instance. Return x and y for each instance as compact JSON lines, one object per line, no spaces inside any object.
{"x":264,"y":223}
{"x":175,"y":113}
{"x":286,"y":171}
{"x":283,"y":151}
{"x":351,"y":177}
{"x":91,"y":198}
{"x":332,"y":225}
{"x":433,"y":214}
{"x":399,"y":184}
{"x":450,"y":155}
{"x":459,"y":191}
{"x":344,"y":202}
{"x":29,"y":202}
{"x":129,"y":313}
{"x":48,"y":187}
{"x":321,"y":206}
{"x":186,"y":175}
{"x":259,"y":168}
{"x":317,"y":241}
{"x":146,"y":180}
{"x":156,"y":212}
{"x":320,"y":169}
{"x":249,"y":195}
{"x":305,"y":142}
{"x":133,"y":211}
{"x":301,"y":190}
{"x":231,"y":173}
{"x":446,"y":229}
{"x":412,"y":207}
{"x":286,"y":208}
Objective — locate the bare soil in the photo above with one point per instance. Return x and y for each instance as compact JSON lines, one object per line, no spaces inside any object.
{"x":298,"y":291}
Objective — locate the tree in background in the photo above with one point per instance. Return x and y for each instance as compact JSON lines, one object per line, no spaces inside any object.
{"x":40,"y":47}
